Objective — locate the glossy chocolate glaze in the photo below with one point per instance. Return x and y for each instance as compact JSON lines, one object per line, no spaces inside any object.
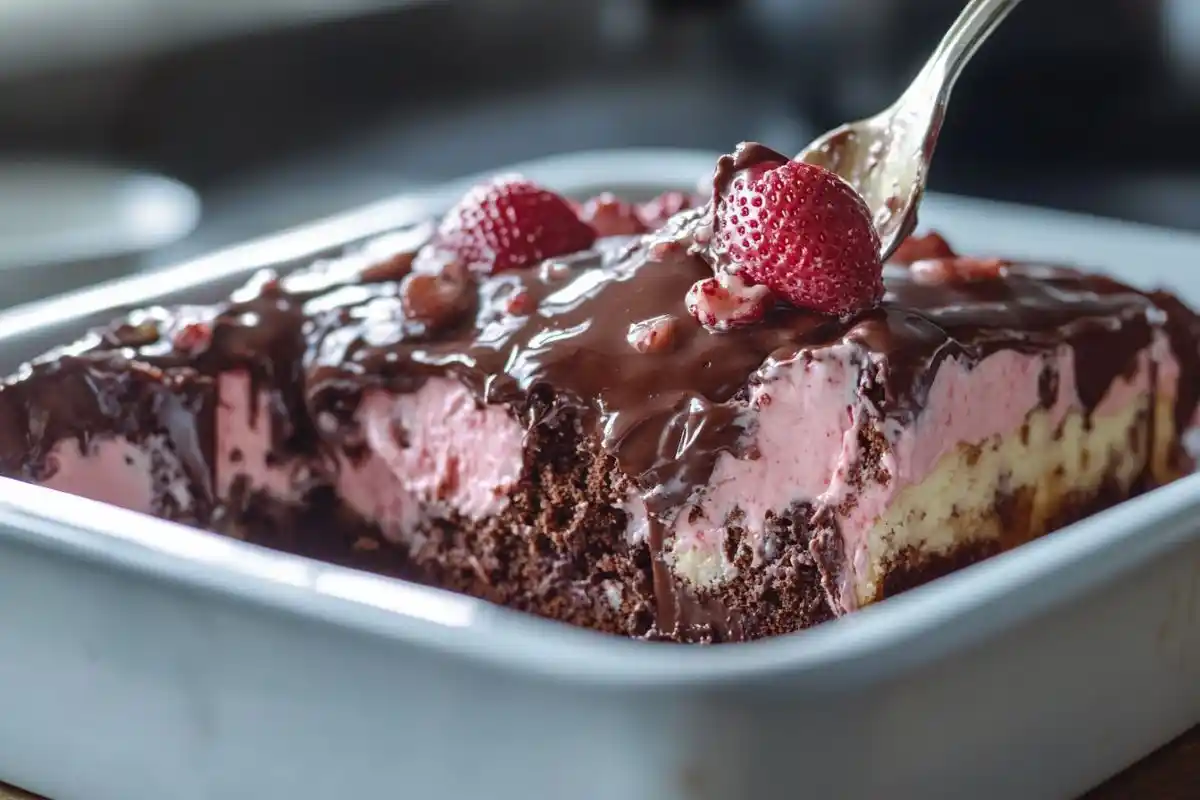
{"x":668,"y":414}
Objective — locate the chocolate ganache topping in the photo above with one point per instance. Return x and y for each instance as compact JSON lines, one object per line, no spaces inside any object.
{"x":668,"y":412}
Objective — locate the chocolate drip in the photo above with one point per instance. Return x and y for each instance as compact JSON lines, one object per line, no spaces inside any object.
{"x":260,"y":333}
{"x":747,"y":156}
{"x":77,"y":397}
{"x":1183,"y":331}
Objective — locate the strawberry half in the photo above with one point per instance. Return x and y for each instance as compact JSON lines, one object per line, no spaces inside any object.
{"x":510,"y":222}
{"x":799,"y":230}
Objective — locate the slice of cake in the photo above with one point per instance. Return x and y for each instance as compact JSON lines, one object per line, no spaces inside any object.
{"x":732,"y":426}
{"x":197,"y":413}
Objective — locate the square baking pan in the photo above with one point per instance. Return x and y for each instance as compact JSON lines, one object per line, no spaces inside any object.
{"x":143,"y":659}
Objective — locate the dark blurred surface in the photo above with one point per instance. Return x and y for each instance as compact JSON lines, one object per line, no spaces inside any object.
{"x":1087,"y":106}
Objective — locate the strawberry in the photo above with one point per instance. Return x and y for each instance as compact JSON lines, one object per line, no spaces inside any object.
{"x":725,"y":302}
{"x":919,"y":248}
{"x":193,"y":338}
{"x":799,"y":230}
{"x":611,"y":216}
{"x":509,"y":222}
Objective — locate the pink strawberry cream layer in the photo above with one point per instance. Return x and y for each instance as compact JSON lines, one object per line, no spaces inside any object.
{"x":432,"y":453}
{"x":435,"y":453}
{"x":138,"y":476}
{"x":147,"y":476}
{"x":246,"y":455}
{"x":934,"y":485}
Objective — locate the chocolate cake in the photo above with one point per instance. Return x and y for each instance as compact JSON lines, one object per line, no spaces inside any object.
{"x":692,"y":420}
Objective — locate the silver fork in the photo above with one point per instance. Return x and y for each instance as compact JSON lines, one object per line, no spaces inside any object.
{"x":886,"y":157}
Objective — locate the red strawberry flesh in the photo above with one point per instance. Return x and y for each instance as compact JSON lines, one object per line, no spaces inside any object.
{"x":724,"y":302}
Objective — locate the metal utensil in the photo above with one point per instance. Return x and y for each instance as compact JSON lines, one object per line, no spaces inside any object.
{"x":886,"y":157}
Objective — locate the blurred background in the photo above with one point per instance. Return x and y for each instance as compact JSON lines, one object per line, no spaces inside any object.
{"x":275,"y":112}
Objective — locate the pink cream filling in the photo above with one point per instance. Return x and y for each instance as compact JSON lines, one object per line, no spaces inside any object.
{"x":807,"y":439}
{"x":243,"y":442}
{"x":435,"y":451}
{"x":117,"y":471}
{"x":112,"y":471}
{"x":432,"y":452}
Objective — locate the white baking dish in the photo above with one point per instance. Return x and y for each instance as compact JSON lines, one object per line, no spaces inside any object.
{"x":140,"y":659}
